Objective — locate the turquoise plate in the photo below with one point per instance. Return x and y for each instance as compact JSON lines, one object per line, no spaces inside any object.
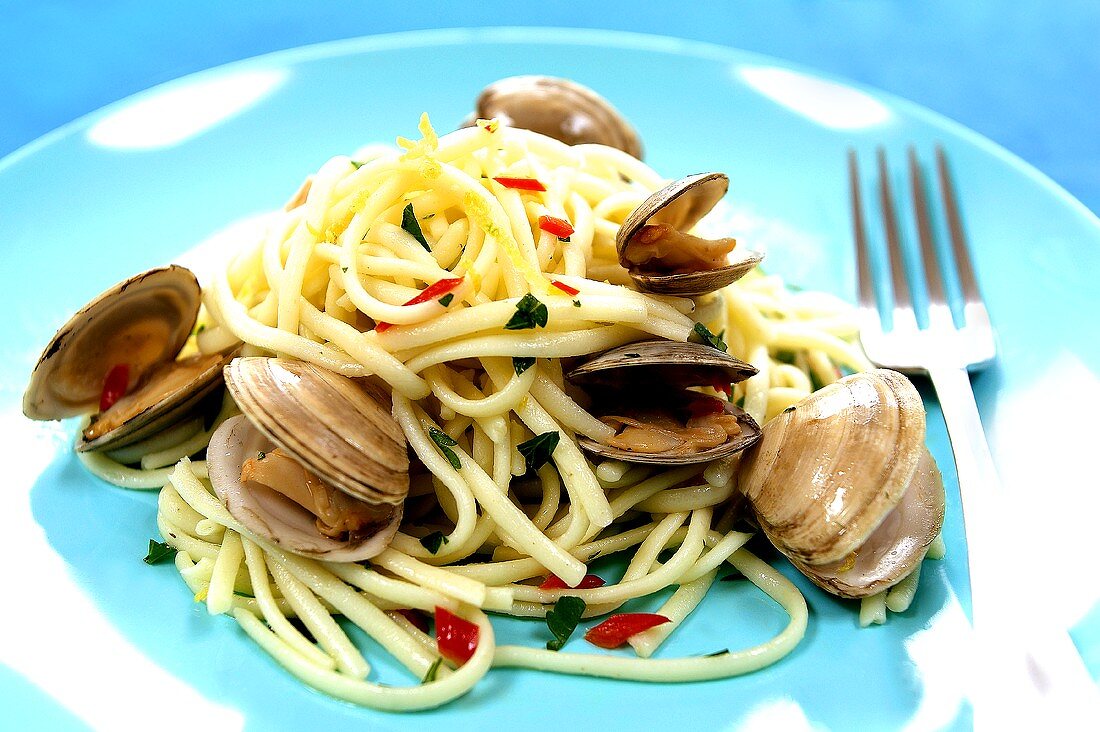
{"x":93,"y":637}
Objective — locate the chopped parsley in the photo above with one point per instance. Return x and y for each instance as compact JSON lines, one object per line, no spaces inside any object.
{"x":343,"y":269}
{"x":562,"y":620}
{"x":536,"y":452}
{"x":358,"y":164}
{"x":445,"y":442}
{"x":700,"y":334}
{"x":576,"y":303}
{"x":530,"y":313}
{"x":723,"y":652}
{"x":433,"y":541}
{"x":412,"y":226}
{"x":159,"y":552}
{"x":522,"y":363}
{"x":563,"y":238}
{"x":446,"y":299}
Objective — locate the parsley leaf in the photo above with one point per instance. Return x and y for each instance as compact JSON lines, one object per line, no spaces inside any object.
{"x":576,"y":303}
{"x":522,"y":363}
{"x":411,"y":225}
{"x":563,"y":238}
{"x":700,"y":334}
{"x":530,"y":312}
{"x":358,"y":164}
{"x":446,"y":299}
{"x":562,"y":620}
{"x":445,"y":442}
{"x":159,"y":552}
{"x":433,"y":541}
{"x":723,"y":652}
{"x":536,"y":452}
{"x":433,"y":670}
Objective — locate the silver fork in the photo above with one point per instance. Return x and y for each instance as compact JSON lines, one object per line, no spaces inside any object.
{"x":1033,"y":669}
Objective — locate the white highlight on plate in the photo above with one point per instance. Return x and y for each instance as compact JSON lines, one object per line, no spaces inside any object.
{"x":105,"y":681}
{"x":828,"y":103}
{"x":777,"y":714}
{"x":181,"y":111}
{"x":942,"y":657}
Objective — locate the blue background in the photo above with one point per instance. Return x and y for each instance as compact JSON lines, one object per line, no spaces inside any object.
{"x":1023,"y":73}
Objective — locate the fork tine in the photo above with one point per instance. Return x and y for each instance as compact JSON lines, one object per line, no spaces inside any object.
{"x":961,"y":251}
{"x":904,"y":318}
{"x":863,"y":257}
{"x":932,"y":277}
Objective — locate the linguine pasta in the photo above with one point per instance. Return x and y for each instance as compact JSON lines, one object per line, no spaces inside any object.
{"x":316,"y":286}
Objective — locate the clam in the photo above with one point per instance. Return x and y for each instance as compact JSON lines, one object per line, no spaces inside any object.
{"x":843,"y":485}
{"x":662,"y":258}
{"x":315,"y":464}
{"x":136,"y":329}
{"x":645,"y":393}
{"x":558,"y":108}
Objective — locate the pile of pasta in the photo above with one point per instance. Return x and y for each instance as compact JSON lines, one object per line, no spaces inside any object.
{"x":342,"y":259}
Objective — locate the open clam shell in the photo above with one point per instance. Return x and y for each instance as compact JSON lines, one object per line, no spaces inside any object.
{"x":843,"y":485}
{"x":271,"y":515}
{"x":681,"y":204}
{"x":339,"y":429}
{"x":143,"y":321}
{"x":652,"y":372}
{"x":558,"y":108}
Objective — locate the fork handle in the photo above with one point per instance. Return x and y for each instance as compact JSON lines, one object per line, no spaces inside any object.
{"x":1024,"y":648}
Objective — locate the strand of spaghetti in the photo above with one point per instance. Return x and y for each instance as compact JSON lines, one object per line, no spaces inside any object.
{"x":272,"y":250}
{"x":646,"y":555}
{"x":292,"y":278}
{"x":377,"y":266}
{"x":780,"y":398}
{"x":822,"y":367}
{"x":581,"y":484}
{"x":666,"y":574}
{"x":196,"y":577}
{"x":628,"y":498}
{"x":687,"y":498}
{"x":717,"y":554}
{"x":365,"y":348}
{"x":900,"y":596}
{"x":178,"y":538}
{"x":503,"y":401}
{"x":494,"y":316}
{"x":313,"y":614}
{"x":621,"y":162}
{"x":356,"y":608}
{"x":735,"y":663}
{"x":551,"y":497}
{"x":236,"y":318}
{"x":427,"y":642}
{"x":548,"y":345}
{"x":257,"y":570}
{"x":387,"y":698}
{"x":793,"y":336}
{"x":463,"y":589}
{"x":744,"y":318}
{"x":756,"y":386}
{"x":114,"y":473}
{"x":219,"y":597}
{"x":405,"y":594}
{"x":169,"y":455}
{"x":872,"y":609}
{"x":676,"y":608}
{"x":176,"y":510}
{"x":504,"y":513}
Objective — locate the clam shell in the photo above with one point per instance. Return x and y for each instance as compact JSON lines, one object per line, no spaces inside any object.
{"x":681,"y":204}
{"x":833,"y":469}
{"x":666,"y":366}
{"x":662,"y":363}
{"x":340,"y":429}
{"x":558,"y":108}
{"x":143,"y":321}
{"x":271,"y":515}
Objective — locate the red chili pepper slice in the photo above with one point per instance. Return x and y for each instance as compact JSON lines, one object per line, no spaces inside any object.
{"x":114,"y":386}
{"x":701,"y":407}
{"x":455,"y":637}
{"x":521,"y":184}
{"x":558,"y":227}
{"x":589,"y":582}
{"x":431,"y":292}
{"x":725,"y":387}
{"x":618,"y":629}
{"x":417,"y":618}
{"x":571,"y":291}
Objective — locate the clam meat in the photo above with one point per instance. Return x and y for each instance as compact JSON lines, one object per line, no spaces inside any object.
{"x":315,"y":464}
{"x":663,"y":258}
{"x":844,"y":486}
{"x":646,"y":393}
